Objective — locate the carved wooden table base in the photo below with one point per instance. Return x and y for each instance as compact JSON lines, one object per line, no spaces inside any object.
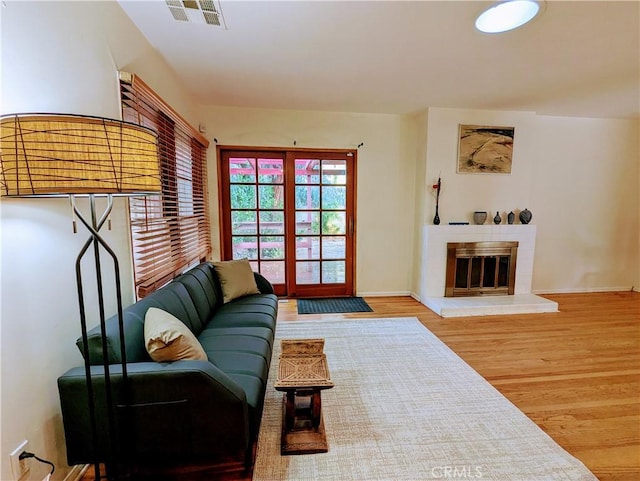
{"x":302,"y":374}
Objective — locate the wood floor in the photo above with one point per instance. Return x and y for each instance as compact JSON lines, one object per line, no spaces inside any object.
{"x":575,"y":373}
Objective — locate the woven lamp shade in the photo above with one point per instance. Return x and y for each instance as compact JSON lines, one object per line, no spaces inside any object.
{"x":58,"y":154}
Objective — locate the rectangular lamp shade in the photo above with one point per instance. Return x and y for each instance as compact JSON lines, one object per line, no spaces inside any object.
{"x":63,"y":154}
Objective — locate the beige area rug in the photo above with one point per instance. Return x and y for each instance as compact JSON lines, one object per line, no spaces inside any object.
{"x":406,"y":407}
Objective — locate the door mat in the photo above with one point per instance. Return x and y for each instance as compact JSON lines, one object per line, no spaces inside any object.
{"x":333,"y":305}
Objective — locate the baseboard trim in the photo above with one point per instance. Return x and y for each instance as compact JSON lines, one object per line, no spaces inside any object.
{"x":384,"y":294}
{"x":584,"y":290}
{"x":580,"y":290}
{"x":76,"y":472}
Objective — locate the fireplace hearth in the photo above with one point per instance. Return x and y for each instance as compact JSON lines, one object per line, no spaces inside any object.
{"x":480,"y":268}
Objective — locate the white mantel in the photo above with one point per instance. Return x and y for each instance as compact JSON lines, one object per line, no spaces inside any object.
{"x":434,"y":264}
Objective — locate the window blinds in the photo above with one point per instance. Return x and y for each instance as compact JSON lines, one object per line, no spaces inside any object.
{"x":169,"y":232}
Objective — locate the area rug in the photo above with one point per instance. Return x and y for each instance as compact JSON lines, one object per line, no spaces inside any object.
{"x":332,"y":305}
{"x":406,"y":407}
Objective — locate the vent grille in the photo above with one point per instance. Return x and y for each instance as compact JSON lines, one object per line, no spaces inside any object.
{"x":179,"y":14}
{"x":197,"y":11}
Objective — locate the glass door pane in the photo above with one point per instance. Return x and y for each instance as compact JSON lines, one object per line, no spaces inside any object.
{"x":257,"y":191}
{"x":321,"y":217}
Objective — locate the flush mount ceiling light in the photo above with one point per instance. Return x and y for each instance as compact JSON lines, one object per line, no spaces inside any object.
{"x":507,"y":15}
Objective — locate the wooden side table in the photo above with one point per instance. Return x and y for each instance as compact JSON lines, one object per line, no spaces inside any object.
{"x":302,"y":374}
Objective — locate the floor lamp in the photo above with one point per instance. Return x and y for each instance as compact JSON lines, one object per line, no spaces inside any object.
{"x":45,"y":155}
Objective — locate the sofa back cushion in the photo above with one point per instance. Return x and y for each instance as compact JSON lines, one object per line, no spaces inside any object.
{"x":172,"y":298}
{"x":133,"y":319}
{"x":204,"y":289}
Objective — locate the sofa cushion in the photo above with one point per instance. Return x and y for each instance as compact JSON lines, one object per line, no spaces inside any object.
{"x":172,"y":298}
{"x":253,"y":331}
{"x":214,"y":341}
{"x":169,"y":339}
{"x":134,"y":346}
{"x":204,"y":290}
{"x":231,"y":362}
{"x":175,"y":299}
{"x":236,"y":278}
{"x":258,"y":311}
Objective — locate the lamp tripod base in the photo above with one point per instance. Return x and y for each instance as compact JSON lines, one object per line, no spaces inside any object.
{"x":116,"y":455}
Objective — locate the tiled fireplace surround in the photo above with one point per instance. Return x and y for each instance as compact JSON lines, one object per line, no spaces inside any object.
{"x":434,"y":262}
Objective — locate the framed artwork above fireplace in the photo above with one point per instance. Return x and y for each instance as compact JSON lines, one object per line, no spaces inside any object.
{"x":485,"y":149}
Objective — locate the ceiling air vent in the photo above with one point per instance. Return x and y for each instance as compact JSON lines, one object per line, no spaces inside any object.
{"x":197,"y":11}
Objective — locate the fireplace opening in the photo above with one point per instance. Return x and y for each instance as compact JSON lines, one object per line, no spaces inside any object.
{"x":480,"y":268}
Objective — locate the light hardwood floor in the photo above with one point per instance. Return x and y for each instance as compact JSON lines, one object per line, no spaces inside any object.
{"x":575,"y":373}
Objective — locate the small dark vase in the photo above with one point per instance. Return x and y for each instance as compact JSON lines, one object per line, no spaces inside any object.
{"x":497,"y":219}
{"x":511,"y":217}
{"x":525,"y":216}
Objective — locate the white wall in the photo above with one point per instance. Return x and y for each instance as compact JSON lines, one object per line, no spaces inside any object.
{"x":58,"y":57}
{"x":462,"y":194}
{"x":423,"y":195}
{"x":585,"y":202}
{"x":579,"y":178}
{"x":385,"y":183}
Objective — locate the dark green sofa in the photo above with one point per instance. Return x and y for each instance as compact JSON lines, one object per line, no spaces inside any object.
{"x":182,"y":411}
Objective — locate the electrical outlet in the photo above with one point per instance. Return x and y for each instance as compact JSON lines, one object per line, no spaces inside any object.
{"x":19,"y":467}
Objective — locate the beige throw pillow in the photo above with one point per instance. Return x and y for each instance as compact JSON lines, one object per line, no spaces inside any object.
{"x":169,"y":339}
{"x":236,"y":279}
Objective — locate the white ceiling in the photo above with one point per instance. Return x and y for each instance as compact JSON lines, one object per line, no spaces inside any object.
{"x":578,"y":58}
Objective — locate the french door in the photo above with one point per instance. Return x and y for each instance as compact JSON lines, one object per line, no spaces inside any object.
{"x":292,"y":214}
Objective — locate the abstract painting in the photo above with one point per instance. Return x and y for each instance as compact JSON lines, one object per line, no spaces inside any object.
{"x":485,"y":149}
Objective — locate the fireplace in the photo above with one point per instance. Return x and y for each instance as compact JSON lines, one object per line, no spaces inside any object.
{"x":433,"y":272}
{"x":480,"y":268}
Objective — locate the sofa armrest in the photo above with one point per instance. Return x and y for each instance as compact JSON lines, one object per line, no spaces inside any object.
{"x":183,"y":410}
{"x":264,"y":286}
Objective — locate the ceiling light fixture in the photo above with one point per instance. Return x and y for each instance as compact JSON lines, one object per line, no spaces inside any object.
{"x":507,"y":15}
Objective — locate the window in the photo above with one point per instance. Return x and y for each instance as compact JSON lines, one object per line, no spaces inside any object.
{"x":170,"y":232}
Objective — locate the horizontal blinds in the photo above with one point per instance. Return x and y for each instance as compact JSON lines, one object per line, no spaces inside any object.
{"x":170,"y":232}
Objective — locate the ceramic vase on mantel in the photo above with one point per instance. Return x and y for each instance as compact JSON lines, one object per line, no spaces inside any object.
{"x":479,"y":217}
{"x":497,"y":219}
{"x":525,"y":216}
{"x":511,"y":217}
